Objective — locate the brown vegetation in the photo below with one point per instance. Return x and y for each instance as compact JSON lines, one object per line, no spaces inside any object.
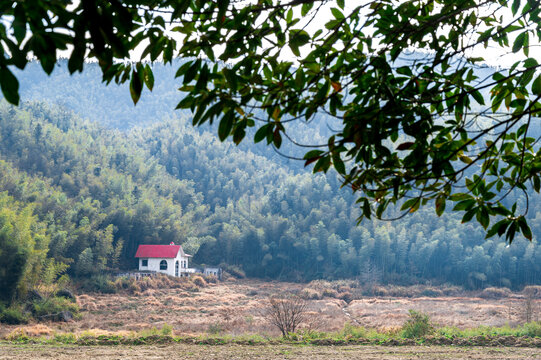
{"x":235,"y":307}
{"x":286,"y":313}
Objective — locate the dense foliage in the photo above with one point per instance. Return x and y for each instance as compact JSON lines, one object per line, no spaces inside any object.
{"x":90,"y":195}
{"x":408,"y":133}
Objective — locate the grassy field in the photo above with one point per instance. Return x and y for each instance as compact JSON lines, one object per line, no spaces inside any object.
{"x":234,"y":351}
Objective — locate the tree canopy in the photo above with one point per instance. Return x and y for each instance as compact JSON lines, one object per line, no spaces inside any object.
{"x":414,"y":122}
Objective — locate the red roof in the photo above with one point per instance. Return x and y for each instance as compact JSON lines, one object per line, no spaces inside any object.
{"x":157,"y":251}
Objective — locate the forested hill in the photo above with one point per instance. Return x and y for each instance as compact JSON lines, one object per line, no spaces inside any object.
{"x":96,"y":193}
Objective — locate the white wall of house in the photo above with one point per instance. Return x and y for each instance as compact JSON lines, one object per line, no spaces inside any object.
{"x":153,"y":264}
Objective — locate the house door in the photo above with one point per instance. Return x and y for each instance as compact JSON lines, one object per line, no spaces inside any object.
{"x":176,"y":268}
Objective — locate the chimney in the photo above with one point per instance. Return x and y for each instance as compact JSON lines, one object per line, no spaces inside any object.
{"x":172,"y":243}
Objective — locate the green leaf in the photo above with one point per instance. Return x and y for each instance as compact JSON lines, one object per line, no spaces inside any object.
{"x":298,"y":38}
{"x":469,"y":215}
{"x":464,"y":205}
{"x":478,"y":97}
{"x":483,"y":216}
{"x":306,"y":7}
{"x":519,"y":42}
{"x":19,"y":23}
{"x":465,"y":159}
{"x":411,"y":204}
{"x":322,"y":164}
{"x":536,"y":86}
{"x":313,"y":154}
{"x":405,"y":146}
{"x":367,"y":211}
{"x":226,"y":124}
{"x":262,"y":132}
{"x":460,"y":196}
{"x":148,"y":77}
{"x":440,"y":205}
{"x":337,"y":14}
{"x":526,"y":231}
{"x":9,"y":85}
{"x":515,"y":6}
{"x":338,"y":164}
{"x":498,"y":228}
{"x":277,"y":138}
{"x":135,"y":87}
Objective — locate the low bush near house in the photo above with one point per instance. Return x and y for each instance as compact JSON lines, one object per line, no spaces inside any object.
{"x":199,"y":281}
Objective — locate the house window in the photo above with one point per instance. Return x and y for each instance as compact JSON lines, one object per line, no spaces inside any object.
{"x":163,"y":265}
{"x":144,"y":263}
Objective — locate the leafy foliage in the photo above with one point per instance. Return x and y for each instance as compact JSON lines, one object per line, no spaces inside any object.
{"x":411,"y":132}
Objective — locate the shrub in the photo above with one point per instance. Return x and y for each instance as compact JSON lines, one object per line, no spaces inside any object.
{"x":13,"y":315}
{"x":211,"y":279}
{"x":286,"y":313}
{"x":310,"y":294}
{"x":495,"y":293}
{"x":199,"y":281}
{"x":330,"y":293}
{"x":354,"y":332}
{"x":380,"y":291}
{"x":346,"y":296}
{"x":215,"y":329}
{"x":99,"y":283}
{"x":432,"y":292}
{"x":343,"y":288}
{"x":166,"y":329}
{"x":65,"y":338}
{"x":53,"y":306}
{"x":533,"y":290}
{"x":532,"y":329}
{"x":417,"y":325}
{"x":17,"y":335}
{"x":233,"y":270}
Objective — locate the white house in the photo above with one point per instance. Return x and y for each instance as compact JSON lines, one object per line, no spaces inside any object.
{"x":168,"y":259}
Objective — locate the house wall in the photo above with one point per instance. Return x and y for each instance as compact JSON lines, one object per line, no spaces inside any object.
{"x":154,"y":264}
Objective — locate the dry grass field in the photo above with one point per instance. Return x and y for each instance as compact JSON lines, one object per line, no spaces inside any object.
{"x":232,"y":352}
{"x":235,"y":307}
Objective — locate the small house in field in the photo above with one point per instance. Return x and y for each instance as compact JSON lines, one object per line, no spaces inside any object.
{"x":167,"y":259}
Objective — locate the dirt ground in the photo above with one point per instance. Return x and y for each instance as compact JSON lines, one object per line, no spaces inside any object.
{"x":231,"y":352}
{"x":235,"y":307}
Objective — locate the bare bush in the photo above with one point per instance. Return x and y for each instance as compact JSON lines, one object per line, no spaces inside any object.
{"x":286,"y":313}
{"x":199,"y":281}
{"x":528,"y":307}
{"x":310,"y":294}
{"x":495,"y":293}
{"x":533,"y":291}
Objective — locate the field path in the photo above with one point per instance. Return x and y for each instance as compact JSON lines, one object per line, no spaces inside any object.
{"x":232,"y":352}
{"x":348,"y":315}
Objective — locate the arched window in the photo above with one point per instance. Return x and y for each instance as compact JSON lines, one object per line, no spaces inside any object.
{"x":163,"y":265}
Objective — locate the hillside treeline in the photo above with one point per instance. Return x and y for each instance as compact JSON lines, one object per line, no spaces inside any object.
{"x":78,"y":197}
